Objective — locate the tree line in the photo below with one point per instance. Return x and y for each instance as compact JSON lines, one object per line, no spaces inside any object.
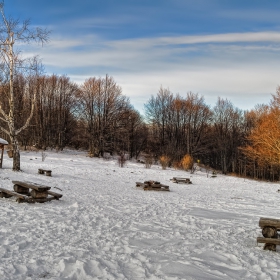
{"x":51,"y":111}
{"x":96,"y":116}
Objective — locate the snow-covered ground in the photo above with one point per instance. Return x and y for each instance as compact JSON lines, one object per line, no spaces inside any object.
{"x":105,"y":228}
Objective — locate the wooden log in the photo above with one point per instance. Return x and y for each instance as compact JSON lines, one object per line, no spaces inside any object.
{"x":54,"y":194}
{"x":41,"y":171}
{"x":268,"y":222}
{"x":151,"y":182}
{"x":33,"y":186}
{"x":275,"y":241}
{"x":5,"y":195}
{"x":23,"y":197}
{"x":37,"y":194}
{"x":20,"y":189}
{"x":269,"y":232}
{"x":139,"y":184}
{"x":48,"y":172}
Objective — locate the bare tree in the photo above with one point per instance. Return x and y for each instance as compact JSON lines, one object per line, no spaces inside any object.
{"x":102,"y":108}
{"x":12,"y":34}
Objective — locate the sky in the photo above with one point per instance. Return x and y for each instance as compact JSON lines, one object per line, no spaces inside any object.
{"x":216,"y":48}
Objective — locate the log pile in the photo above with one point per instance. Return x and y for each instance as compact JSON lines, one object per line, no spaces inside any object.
{"x":152,"y":186}
{"x":269,"y":231}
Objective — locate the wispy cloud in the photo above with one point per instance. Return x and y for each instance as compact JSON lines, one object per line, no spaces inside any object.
{"x":228,"y":65}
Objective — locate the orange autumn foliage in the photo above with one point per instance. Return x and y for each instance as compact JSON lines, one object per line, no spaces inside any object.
{"x":187,"y":162}
{"x":164,"y":161}
{"x":265,"y":139}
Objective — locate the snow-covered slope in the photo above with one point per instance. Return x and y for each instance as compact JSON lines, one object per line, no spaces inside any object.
{"x":106,"y":228}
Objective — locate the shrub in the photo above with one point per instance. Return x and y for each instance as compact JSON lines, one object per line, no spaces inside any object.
{"x":187,"y":162}
{"x":177,"y":165}
{"x":121,"y":160}
{"x":164,"y":161}
{"x":148,"y":161}
{"x":44,"y":155}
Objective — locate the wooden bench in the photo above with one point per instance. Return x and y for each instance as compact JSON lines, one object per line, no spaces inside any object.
{"x":181,"y":180}
{"x":38,"y":193}
{"x":44,"y":171}
{"x":270,"y":228}
{"x":152,"y":186}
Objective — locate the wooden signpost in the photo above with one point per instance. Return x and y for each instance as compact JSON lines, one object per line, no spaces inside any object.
{"x":2,"y":145}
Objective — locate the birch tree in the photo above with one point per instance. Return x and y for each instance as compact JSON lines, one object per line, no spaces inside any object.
{"x":14,"y":33}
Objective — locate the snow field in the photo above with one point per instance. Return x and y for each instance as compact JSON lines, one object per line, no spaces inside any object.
{"x":105,"y":228}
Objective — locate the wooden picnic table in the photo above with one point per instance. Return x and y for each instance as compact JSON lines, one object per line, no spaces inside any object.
{"x":30,"y":192}
{"x":270,"y":228}
{"x":181,"y":180}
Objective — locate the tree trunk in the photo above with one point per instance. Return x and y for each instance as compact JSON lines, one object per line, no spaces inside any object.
{"x":16,"y":156}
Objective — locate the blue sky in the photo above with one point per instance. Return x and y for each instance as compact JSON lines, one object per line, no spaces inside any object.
{"x":217,"y":48}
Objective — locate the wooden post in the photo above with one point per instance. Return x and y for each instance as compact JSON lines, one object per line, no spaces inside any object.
{"x":2,"y":151}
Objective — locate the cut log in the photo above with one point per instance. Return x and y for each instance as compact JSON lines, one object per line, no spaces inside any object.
{"x":48,"y":172}
{"x":37,"y":194}
{"x":20,"y":189}
{"x":275,"y":241}
{"x":23,"y":197}
{"x":33,"y":186}
{"x":139,"y":184}
{"x":56,"y":195}
{"x":5,"y":195}
{"x":41,"y":171}
{"x":269,"y":232}
{"x":267,"y":222}
{"x":151,"y":182}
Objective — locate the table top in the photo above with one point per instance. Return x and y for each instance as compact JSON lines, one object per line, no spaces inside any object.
{"x":33,"y":186}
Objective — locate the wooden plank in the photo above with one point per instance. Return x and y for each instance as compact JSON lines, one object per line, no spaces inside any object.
{"x":180,"y":178}
{"x":268,"y":240}
{"x":13,"y":193}
{"x":40,"y":200}
{"x":56,"y":195}
{"x":268,"y":222}
{"x":156,"y":189}
{"x":34,"y":186}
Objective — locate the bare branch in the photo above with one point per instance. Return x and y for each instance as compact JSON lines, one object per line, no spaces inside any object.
{"x":29,"y":118}
{"x":6,"y":117}
{"x":5,"y":131}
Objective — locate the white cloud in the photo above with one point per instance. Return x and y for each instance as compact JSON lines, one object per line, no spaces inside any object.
{"x":242,"y":67}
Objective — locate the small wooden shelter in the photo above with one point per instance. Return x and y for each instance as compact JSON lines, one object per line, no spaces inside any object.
{"x":2,"y":144}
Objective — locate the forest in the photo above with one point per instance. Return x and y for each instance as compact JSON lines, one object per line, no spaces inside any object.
{"x":175,"y":130}
{"x":52,"y":112}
